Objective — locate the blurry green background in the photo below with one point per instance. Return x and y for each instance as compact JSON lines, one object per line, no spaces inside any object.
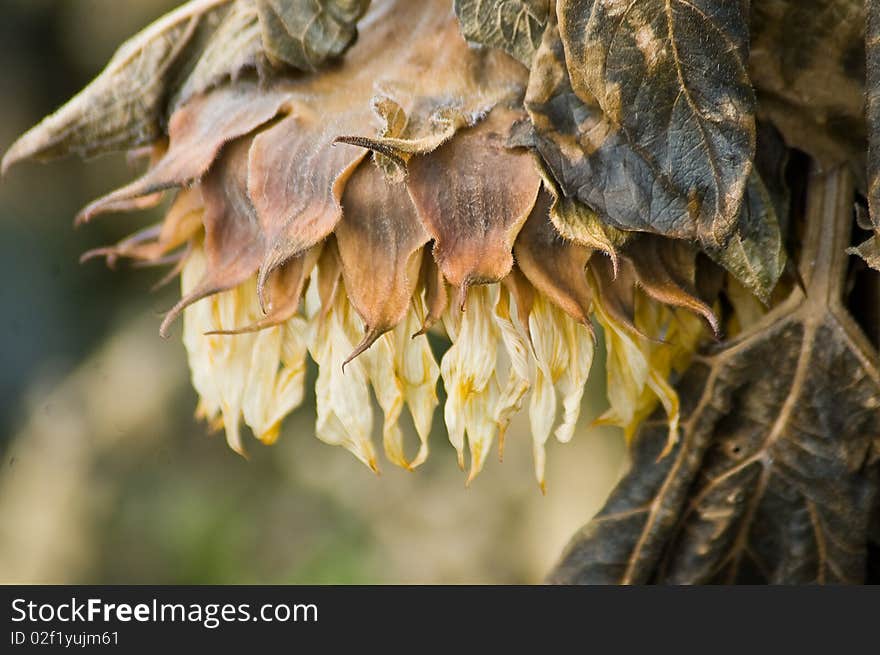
{"x":107,"y":478}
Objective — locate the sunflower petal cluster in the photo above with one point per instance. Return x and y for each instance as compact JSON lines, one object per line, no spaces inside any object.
{"x":362,"y":214}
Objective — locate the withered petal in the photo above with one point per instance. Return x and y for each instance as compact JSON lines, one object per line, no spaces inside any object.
{"x":285,"y":289}
{"x":234,"y":242}
{"x":152,"y":244}
{"x":665,"y":269}
{"x":473,"y":195}
{"x":297,"y":176}
{"x":197,"y":133}
{"x":380,"y":242}
{"x":556,"y":267}
{"x":436,"y":297}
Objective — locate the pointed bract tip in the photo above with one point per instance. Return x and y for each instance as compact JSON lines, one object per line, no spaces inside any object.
{"x":21,"y":150}
{"x":463,"y":294}
{"x":369,"y":339}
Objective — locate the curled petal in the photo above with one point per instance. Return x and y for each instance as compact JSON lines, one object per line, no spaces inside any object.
{"x":197,"y":133}
{"x":665,"y":269}
{"x":469,"y":375}
{"x":557,"y":268}
{"x":345,"y":415}
{"x":257,"y":377}
{"x":515,"y":336}
{"x":563,"y":352}
{"x":234,"y":244}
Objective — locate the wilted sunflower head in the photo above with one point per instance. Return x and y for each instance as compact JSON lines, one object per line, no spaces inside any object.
{"x":339,"y":202}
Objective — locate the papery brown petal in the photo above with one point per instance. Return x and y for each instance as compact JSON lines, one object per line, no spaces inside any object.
{"x":436,"y":297}
{"x":197,"y":133}
{"x":234,"y":243}
{"x":556,"y":267}
{"x":297,"y":176}
{"x":473,"y":196}
{"x":523,"y":296}
{"x":617,"y":291}
{"x":329,"y":275}
{"x":380,"y":242}
{"x":665,"y":269}
{"x":181,"y":223}
{"x":284,"y":291}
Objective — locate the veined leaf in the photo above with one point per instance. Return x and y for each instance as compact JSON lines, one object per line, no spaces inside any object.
{"x":670,"y":77}
{"x":775,"y":478}
{"x":306,"y":33}
{"x":755,"y":254}
{"x":513,"y":25}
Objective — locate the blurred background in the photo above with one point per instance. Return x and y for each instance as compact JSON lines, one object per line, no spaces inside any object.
{"x":107,"y":478}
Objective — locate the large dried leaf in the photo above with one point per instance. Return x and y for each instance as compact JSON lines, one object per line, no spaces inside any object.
{"x":670,"y":79}
{"x":514,"y":26}
{"x":775,"y":476}
{"x":306,"y":33}
{"x":125,"y":106}
{"x":808,"y":64}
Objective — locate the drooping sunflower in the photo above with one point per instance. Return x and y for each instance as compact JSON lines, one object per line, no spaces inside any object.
{"x":346,"y":177}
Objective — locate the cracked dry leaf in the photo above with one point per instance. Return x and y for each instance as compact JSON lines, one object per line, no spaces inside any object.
{"x":670,"y":78}
{"x":306,"y":33}
{"x":515,"y":26}
{"x":775,"y":476}
{"x":808,"y":66}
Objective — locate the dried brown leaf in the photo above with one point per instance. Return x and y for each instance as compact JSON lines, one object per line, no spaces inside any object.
{"x":670,"y":83}
{"x":775,"y":477}
{"x":808,"y":65}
